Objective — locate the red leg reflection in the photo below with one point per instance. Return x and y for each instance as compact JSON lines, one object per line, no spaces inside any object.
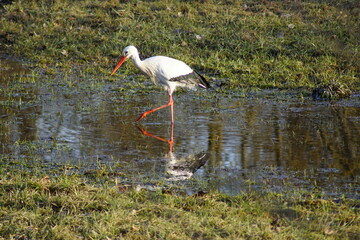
{"x":170,"y":142}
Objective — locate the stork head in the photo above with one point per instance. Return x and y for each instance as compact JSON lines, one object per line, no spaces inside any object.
{"x":128,"y":52}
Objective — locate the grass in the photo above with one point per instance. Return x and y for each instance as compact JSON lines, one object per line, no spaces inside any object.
{"x":62,"y":205}
{"x":268,"y":44}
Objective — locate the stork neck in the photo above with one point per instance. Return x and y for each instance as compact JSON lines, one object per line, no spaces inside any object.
{"x":137,"y":62}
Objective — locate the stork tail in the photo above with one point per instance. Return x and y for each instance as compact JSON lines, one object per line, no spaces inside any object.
{"x":203,"y":82}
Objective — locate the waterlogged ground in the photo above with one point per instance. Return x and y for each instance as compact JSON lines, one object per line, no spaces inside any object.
{"x":228,"y":142}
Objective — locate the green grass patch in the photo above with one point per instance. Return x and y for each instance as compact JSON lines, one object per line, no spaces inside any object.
{"x":62,"y":205}
{"x":266,"y":44}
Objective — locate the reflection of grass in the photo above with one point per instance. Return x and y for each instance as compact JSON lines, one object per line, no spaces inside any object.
{"x":67,"y":205}
{"x":283,"y":44}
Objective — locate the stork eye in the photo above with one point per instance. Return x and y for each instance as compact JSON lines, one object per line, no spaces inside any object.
{"x":126,"y":53}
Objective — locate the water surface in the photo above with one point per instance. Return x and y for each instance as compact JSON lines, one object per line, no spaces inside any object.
{"x":225,"y":141}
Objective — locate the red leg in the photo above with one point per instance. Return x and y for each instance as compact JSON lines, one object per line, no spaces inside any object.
{"x":170,"y":103}
{"x":172,"y":110}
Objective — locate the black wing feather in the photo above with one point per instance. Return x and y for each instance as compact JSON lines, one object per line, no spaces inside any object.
{"x":192,"y":78}
{"x":203,"y":82}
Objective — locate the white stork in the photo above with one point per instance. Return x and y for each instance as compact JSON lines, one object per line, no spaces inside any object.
{"x":167,"y":71}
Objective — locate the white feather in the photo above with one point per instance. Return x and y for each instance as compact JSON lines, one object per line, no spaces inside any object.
{"x":160,"y":69}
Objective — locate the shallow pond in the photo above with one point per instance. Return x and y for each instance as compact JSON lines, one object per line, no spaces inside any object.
{"x":230,"y":143}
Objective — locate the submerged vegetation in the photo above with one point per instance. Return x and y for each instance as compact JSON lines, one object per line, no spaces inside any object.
{"x":266,"y":44}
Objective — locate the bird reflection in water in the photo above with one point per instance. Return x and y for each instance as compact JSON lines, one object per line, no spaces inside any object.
{"x":179,"y":168}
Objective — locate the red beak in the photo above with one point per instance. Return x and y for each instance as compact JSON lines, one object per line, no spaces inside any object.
{"x":120,"y":62}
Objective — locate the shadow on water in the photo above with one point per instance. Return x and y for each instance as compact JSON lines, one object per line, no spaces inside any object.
{"x":229,"y":143}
